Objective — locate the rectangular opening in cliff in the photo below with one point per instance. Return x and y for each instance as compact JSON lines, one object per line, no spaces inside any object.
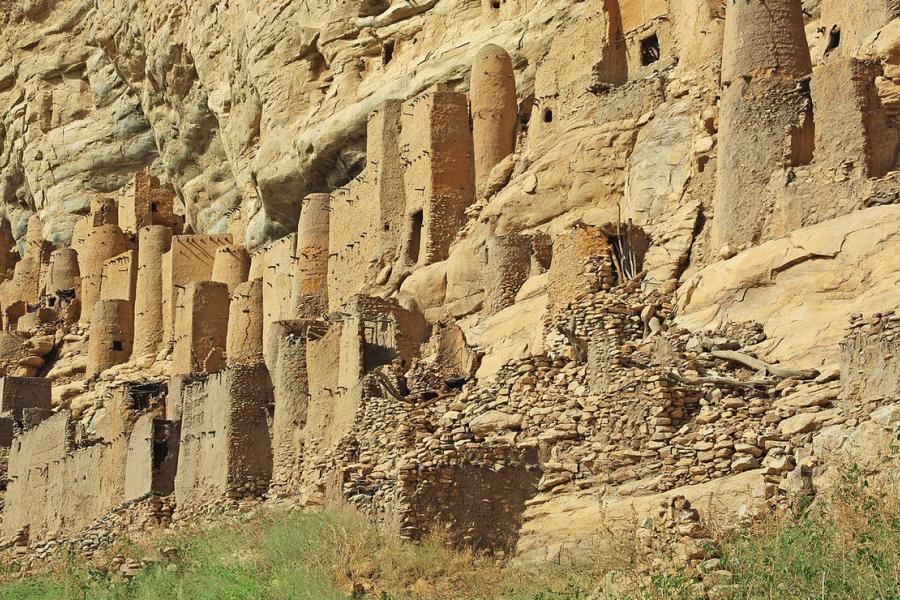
{"x":803,"y":139}
{"x":415,"y":237}
{"x":388,"y":52}
{"x":834,"y":40}
{"x":649,"y":50}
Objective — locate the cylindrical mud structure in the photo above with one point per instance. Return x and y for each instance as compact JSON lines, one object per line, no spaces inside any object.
{"x":309,"y":295}
{"x":764,"y":115}
{"x":62,"y":275}
{"x":102,"y":243}
{"x":764,"y":38}
{"x":508,"y":266}
{"x":494,"y":110}
{"x":231,"y":266}
{"x":244,"y":344}
{"x":111,"y":335}
{"x":153,"y":242}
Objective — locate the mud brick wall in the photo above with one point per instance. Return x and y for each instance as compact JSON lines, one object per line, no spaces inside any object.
{"x":225,"y":447}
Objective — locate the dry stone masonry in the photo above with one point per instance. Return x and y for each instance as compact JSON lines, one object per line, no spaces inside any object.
{"x":632,"y":258}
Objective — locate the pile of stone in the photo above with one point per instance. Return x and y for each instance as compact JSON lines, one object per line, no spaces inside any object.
{"x":675,"y":536}
{"x":647,"y":408}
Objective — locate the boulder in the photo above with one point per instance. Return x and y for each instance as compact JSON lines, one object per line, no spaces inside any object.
{"x":804,"y":287}
{"x":494,"y":421}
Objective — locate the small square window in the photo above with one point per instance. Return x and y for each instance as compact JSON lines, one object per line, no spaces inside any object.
{"x":117,"y":346}
{"x":154,"y":207}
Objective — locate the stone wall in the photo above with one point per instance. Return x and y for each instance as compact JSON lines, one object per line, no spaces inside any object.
{"x":870,"y":372}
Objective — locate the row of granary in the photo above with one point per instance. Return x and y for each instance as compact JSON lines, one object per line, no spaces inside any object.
{"x":143,"y":282}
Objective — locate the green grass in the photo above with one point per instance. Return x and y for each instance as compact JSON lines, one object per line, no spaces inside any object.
{"x":845,"y":548}
{"x":308,"y":556}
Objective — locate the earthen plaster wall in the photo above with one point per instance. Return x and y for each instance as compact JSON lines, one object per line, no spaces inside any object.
{"x":850,"y":119}
{"x":19,"y":393}
{"x":330,"y":411}
{"x":202,"y":462}
{"x":244,"y":343}
{"x":65,"y":496}
{"x":437,"y":147}
{"x":120,"y":277}
{"x":847,"y":116}
{"x":152,"y":458}
{"x":190,"y":259}
{"x":30,"y":458}
{"x":201,"y":328}
{"x":367,"y":215}
{"x":225,"y":442}
{"x":275,"y":265}
{"x":854,"y":23}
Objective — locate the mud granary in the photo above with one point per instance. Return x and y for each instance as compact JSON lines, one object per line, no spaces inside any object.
{"x":557,"y":289}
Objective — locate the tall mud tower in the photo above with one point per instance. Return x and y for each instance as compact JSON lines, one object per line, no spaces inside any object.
{"x":309,"y":295}
{"x":765,"y":113}
{"x":494,"y":109}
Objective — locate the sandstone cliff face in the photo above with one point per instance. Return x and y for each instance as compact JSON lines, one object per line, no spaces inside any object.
{"x":239,"y":104}
{"x":628,"y":260}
